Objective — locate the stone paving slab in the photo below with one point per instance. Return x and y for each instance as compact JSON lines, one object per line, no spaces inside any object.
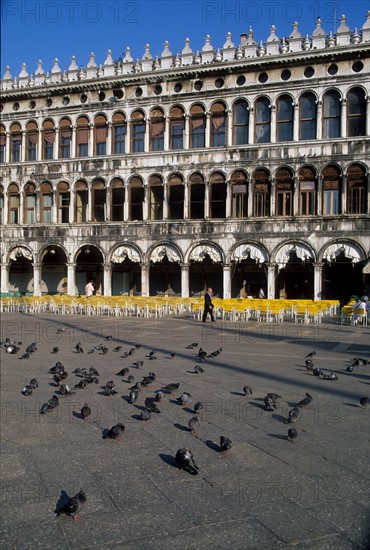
{"x":312,"y":494}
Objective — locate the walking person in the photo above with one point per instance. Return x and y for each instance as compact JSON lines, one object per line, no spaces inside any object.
{"x":89,"y":289}
{"x":208,"y":306}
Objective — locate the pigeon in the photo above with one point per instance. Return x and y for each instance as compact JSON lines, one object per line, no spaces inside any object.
{"x":193,"y":424}
{"x":85,"y":411}
{"x":109,"y":388}
{"x":49,"y":405}
{"x":173,"y":355}
{"x":215,"y":353}
{"x":305,"y":401}
{"x":192,"y":346}
{"x":138,"y":364}
{"x":145,"y":415}
{"x":27,"y":391}
{"x":64,"y":390}
{"x":104,"y":350}
{"x":136,"y":387}
{"x":147,"y":380}
{"x":269,"y":404}
{"x":92,"y":350}
{"x":184,"y":399}
{"x":293,"y":415}
{"x":74,"y":505}
{"x":134,"y":394}
{"x":60,"y":330}
{"x":202,"y":354}
{"x":198,"y":407}
{"x":132,"y":351}
{"x":309,"y":365}
{"x":78,"y":348}
{"x":123,"y":372}
{"x":117,"y":348}
{"x":109,"y":337}
{"x":317,"y":372}
{"x":130,"y":378}
{"x":34,"y":383}
{"x":311,"y":354}
{"x":82,"y":384}
{"x":150,"y":354}
{"x":171,"y":388}
{"x":124,"y":355}
{"x":364,"y":402}
{"x":150,"y":404}
{"x":359,"y":362}
{"x":159,"y":396}
{"x":13,"y":350}
{"x":274,"y":397}
{"x":185,"y":461}
{"x":225,"y":443}
{"x":93,"y":371}
{"x":31,"y":348}
{"x":350,"y":368}
{"x":58,"y":367}
{"x":55,"y":349}
{"x":247,"y":390}
{"x":198,"y":369}
{"x":26,"y":355}
{"x":292,"y":434}
{"x":330,"y":376}
{"x":115,"y":432}
{"x":137,"y":346}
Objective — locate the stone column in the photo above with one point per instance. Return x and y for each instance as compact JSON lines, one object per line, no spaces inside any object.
{"x":368,"y":115}
{"x":5,"y":277}
{"x":71,"y":279}
{"x":251,"y":126}
{"x":296,"y":196}
{"x":273,"y":124}
{"x":23,"y":146}
{"x":271,"y":268}
{"x":56,"y":144}
{"x":228,"y":199}
{"x":226,"y":281}
{"x":343,"y":118}
{"x":186,"y":200}
{"x":229,"y":128}
{"x":319,"y":120}
{"x":145,"y":279}
{"x":54,"y":212}
{"x":207,"y":191}
{"x":90,"y":147}
{"x":319,"y":200}
{"x":8,"y":145}
{"x":166,"y":143}
{"x":108,"y":203}
{"x":295,"y":121}
{"x":208,"y":130}
{"x":73,"y":142}
{"x":89,"y":203}
{"x":343,"y":197}
{"x":317,"y":281}
{"x":146,"y":136}
{"x":184,"y":280}
{"x":165,"y":201}
{"x":71,"y":211}
{"x":107,"y":279}
{"x":126,"y":204}
{"x":187,"y":132}
{"x":128,"y":138}
{"x":146,"y":203}
{"x":38,"y":216}
{"x":109,"y":139}
{"x":250,"y":198}
{"x":273,"y":197}
{"x":37,"y":279}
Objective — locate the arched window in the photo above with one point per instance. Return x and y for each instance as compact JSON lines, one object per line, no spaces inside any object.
{"x":119,"y":131}
{"x":285,"y":118}
{"x":241,"y":122}
{"x":32,"y":138}
{"x":1,"y":204}
{"x":331,"y":115}
{"x":46,"y":202}
{"x":284,"y":192}
{"x":307,"y":116}
{"x":117,"y":200}
{"x":100,"y":135}
{"x":48,"y":140}
{"x":64,"y":199}
{"x":13,"y":203}
{"x":29,"y":203}
{"x":136,"y":198}
{"x":197,"y":126}
{"x":261,"y":193}
{"x":15,"y":142}
{"x":177,"y":128}
{"x":218,"y":125}
{"x":356,"y":190}
{"x":2,"y":143}
{"x":331,"y":189}
{"x":217,"y":185}
{"x":82,"y":136}
{"x":156,"y":196}
{"x":81,"y":199}
{"x":262,"y":120}
{"x":156,"y":125}
{"x":137,"y":132}
{"x":175,"y":197}
{"x":197,"y":195}
{"x":99,"y":197}
{"x":307,"y":191}
{"x":356,"y":112}
{"x":239,"y":191}
{"x":65,"y":138}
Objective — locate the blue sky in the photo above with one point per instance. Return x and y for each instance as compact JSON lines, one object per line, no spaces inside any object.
{"x":44,"y":29}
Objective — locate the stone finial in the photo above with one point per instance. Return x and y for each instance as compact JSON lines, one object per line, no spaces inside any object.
{"x":177,"y":61}
{"x":147,"y":54}
{"x":187,"y":53}
{"x":273,"y":37}
{"x":261,"y":50}
{"x":187,"y":48}
{"x":166,"y":50}
{"x":7,"y":75}
{"x":128,"y":58}
{"x":284,"y":46}
{"x":343,"y":37}
{"x":197,"y":59}
{"x":239,"y":53}
{"x":109,"y":59}
{"x":56,"y":69}
{"x":295,"y":32}
{"x":207,"y":45}
{"x":156,"y":64}
{"x":92,"y":62}
{"x":295,"y":39}
{"x":250,"y":48}
{"x":73,"y":66}
{"x":218,"y":56}
{"x":100,"y":71}
{"x":39,"y":71}
{"x":331,"y":40}
{"x":319,"y":31}
{"x":250,"y":37}
{"x":272,"y":44}
{"x":306,"y":43}
{"x":318,"y":35}
{"x":228,"y":43}
{"x":356,"y":37}
{"x":166,"y":57}
{"x":137,"y":66}
{"x":23,"y":73}
{"x":366,"y":29}
{"x":82,"y":75}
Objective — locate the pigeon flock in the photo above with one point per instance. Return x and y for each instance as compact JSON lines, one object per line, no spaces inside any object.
{"x":136,"y":385}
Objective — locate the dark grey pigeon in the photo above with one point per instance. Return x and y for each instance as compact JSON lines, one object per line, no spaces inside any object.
{"x":185,"y":461}
{"x":74,"y":505}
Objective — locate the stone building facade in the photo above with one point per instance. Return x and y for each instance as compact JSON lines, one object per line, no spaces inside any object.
{"x":241,"y":167}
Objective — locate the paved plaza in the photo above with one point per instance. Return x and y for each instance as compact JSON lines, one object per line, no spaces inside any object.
{"x":265,"y":493}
